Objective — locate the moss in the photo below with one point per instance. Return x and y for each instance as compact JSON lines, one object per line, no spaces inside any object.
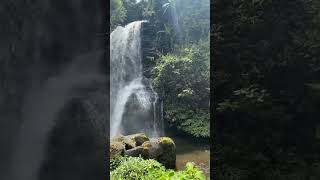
{"x":146,"y":145}
{"x":116,"y":149}
{"x":117,"y":138}
{"x":130,"y":143}
{"x":139,"y":138}
{"x":144,"y":136}
{"x":166,"y":140}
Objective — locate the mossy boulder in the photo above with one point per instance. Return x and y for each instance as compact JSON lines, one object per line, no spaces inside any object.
{"x":139,"y":138}
{"x":162,"y":149}
{"x":166,"y":141}
{"x":116,"y":149}
{"x":131,"y":141}
{"x":153,"y":148}
{"x":128,"y":142}
{"x":136,"y":152}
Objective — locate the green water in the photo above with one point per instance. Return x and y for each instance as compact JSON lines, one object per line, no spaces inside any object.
{"x":192,"y":151}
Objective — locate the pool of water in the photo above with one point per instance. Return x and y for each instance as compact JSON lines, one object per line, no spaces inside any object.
{"x":190,"y":151}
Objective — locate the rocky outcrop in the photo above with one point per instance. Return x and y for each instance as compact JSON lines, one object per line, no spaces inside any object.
{"x":121,"y":145}
{"x":162,"y":149}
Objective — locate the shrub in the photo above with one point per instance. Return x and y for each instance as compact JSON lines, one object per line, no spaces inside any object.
{"x":182,"y":78}
{"x":136,"y":168}
{"x":115,"y":162}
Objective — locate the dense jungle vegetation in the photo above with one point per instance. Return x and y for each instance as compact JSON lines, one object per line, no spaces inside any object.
{"x":179,"y":65}
{"x":266,"y":89}
{"x":176,"y":59}
{"x":124,"y":168}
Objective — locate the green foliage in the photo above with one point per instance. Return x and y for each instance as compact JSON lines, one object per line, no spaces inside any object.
{"x":194,"y":20}
{"x":118,"y":13}
{"x":136,"y":168}
{"x":115,"y":162}
{"x":183,"y":78}
{"x":266,"y":71}
{"x":244,"y":98}
{"x":193,"y":122}
{"x":142,"y":10}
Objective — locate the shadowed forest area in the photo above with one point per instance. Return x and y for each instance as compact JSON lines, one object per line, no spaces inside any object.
{"x":266,"y":89}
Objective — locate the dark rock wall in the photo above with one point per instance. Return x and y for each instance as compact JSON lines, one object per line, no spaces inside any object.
{"x":148,"y":37}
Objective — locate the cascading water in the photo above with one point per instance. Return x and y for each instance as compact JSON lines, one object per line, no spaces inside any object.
{"x":133,"y":100}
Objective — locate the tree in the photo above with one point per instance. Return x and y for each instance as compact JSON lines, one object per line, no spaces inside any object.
{"x":118,"y":13}
{"x":183,"y":79}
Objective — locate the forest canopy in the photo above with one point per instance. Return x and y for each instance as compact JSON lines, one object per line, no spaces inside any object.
{"x":266,"y":73}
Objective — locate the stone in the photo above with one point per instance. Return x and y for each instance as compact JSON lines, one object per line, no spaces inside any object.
{"x":116,"y":149}
{"x":162,"y":149}
{"x":154,"y":149}
{"x":139,"y":138}
{"x":127,"y":141}
{"x":168,"y":158}
{"x":136,"y":152}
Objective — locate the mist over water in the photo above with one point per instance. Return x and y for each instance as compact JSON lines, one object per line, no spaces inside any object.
{"x":128,"y":86}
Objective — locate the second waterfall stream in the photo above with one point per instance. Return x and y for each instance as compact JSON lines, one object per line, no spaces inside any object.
{"x":134,"y":105}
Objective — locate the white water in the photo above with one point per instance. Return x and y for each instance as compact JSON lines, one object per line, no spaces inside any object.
{"x":127,"y":81}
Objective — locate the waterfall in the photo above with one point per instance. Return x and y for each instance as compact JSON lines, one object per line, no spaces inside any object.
{"x":133,"y":100}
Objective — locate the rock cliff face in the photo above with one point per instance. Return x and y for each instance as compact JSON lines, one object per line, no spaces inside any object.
{"x":38,"y":37}
{"x":148,"y":36}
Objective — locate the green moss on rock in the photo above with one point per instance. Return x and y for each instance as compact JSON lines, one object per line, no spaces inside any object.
{"x":116,"y":149}
{"x":139,"y":138}
{"x":166,"y":140}
{"x":126,"y":140}
{"x":161,"y":149}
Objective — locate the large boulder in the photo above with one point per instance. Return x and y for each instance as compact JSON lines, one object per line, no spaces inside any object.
{"x":127,"y":142}
{"x":139,"y":138}
{"x":116,"y":149}
{"x":131,"y":141}
{"x":162,"y":149}
{"x":136,"y":152}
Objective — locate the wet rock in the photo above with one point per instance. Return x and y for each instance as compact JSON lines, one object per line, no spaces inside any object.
{"x":128,"y":142}
{"x":131,"y":141}
{"x":136,"y":152}
{"x":139,"y":138}
{"x":161,"y":149}
{"x":168,"y":156}
{"x":116,"y":149}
